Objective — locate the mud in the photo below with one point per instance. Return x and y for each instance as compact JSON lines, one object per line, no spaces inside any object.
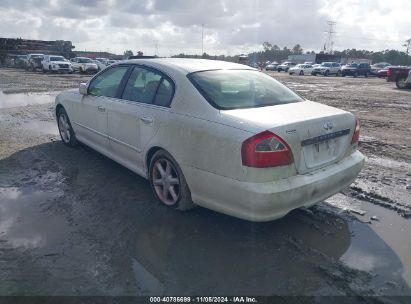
{"x":73,"y":222}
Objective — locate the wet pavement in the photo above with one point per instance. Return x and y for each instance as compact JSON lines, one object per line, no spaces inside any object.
{"x":73,"y":222}
{"x":25,"y":99}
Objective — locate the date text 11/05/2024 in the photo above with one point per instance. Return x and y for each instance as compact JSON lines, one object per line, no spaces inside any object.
{"x":203,"y":300}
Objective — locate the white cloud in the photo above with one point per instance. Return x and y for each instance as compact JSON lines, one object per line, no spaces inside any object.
{"x":229,"y":26}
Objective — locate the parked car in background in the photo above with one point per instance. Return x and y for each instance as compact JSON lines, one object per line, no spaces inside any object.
{"x":103,"y":60}
{"x":271,"y":66}
{"x":285,"y":66}
{"x":55,"y":63}
{"x":356,"y":69}
{"x":16,"y":61}
{"x":301,"y":69}
{"x":100,"y":65}
{"x":383,"y":72}
{"x":399,"y":75}
{"x":276,"y":151}
{"x":34,"y":62}
{"x":379,"y":66}
{"x":84,"y":65}
{"x":327,"y":68}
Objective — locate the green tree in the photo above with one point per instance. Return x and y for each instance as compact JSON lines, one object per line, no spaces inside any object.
{"x":128,"y":53}
{"x":297,"y":49}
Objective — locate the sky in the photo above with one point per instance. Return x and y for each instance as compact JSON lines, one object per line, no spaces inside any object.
{"x":226,"y":27}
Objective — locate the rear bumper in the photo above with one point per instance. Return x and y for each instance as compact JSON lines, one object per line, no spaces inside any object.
{"x":271,"y":200}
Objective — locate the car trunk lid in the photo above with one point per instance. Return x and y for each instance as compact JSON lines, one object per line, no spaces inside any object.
{"x":318,"y":135}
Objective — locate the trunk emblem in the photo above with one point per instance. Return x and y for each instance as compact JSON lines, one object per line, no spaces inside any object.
{"x":328,"y":125}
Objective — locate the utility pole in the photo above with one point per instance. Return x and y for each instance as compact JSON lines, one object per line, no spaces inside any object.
{"x":202,"y":39}
{"x":329,"y":44}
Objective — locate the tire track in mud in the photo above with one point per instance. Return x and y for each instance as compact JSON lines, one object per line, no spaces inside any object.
{"x":376,"y":199}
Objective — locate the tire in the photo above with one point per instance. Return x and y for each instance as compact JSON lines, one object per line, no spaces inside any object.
{"x":43,"y":69}
{"x":301,"y":73}
{"x":401,"y":83}
{"x":178,"y":198}
{"x":326,"y":73}
{"x":339,"y":73}
{"x":65,"y":129}
{"x":81,"y":70}
{"x":279,"y":70}
{"x":342,"y":75}
{"x":366,"y":75}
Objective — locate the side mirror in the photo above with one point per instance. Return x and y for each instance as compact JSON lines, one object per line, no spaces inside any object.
{"x":83,"y":88}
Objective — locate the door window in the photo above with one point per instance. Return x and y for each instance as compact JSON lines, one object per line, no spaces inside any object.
{"x":142,"y":85}
{"x":107,"y":83}
{"x":164,"y":93}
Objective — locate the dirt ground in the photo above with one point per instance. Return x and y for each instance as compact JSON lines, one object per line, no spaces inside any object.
{"x":73,"y":222}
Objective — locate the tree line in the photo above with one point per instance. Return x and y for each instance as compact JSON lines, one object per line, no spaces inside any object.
{"x":272,"y":52}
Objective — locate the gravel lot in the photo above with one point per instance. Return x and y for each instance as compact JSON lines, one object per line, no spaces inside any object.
{"x":73,"y":222}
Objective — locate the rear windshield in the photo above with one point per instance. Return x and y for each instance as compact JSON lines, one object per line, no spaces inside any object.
{"x":238,"y":89}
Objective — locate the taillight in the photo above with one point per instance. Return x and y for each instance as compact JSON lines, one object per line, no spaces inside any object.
{"x":266,"y":150}
{"x":356,"y":134}
{"x":389,"y":72}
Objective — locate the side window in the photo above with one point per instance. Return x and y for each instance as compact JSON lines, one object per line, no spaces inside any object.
{"x":106,"y":84}
{"x":164,"y":93}
{"x":142,"y":85}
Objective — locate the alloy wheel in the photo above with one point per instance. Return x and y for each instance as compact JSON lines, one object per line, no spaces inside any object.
{"x":166,"y":181}
{"x":64,"y":128}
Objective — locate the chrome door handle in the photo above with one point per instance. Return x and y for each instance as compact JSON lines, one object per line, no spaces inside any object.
{"x":146,"y":119}
{"x":101,"y":108}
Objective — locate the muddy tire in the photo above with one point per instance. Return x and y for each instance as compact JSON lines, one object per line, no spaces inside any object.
{"x":168,"y":182}
{"x":401,"y":83}
{"x":65,"y":129}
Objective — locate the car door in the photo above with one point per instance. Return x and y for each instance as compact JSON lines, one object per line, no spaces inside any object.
{"x":135,"y":118}
{"x":91,"y":112}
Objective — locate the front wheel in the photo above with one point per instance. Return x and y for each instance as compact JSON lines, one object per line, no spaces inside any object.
{"x":401,"y":83}
{"x":168,"y":182}
{"x":65,"y":129}
{"x":301,"y":73}
{"x":326,"y":73}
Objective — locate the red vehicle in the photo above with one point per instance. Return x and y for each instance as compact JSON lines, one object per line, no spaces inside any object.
{"x":398,"y":75}
{"x":382,"y":73}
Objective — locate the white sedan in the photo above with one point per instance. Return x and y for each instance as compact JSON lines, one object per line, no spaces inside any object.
{"x":216,"y":134}
{"x":301,"y":69}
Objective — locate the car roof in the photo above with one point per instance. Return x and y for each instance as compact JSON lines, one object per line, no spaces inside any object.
{"x":188,"y":65}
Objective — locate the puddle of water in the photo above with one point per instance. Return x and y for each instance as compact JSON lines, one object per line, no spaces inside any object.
{"x":375,"y":245}
{"x":25,"y":99}
{"x":22,"y":222}
{"x":41,"y":127}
